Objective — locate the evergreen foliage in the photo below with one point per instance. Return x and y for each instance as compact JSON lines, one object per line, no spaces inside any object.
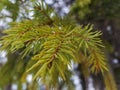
{"x":46,"y":45}
{"x":53,"y":43}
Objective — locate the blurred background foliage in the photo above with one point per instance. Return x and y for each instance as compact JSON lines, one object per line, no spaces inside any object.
{"x":104,"y":14}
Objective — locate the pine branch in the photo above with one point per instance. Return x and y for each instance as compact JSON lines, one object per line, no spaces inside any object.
{"x":54,"y":47}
